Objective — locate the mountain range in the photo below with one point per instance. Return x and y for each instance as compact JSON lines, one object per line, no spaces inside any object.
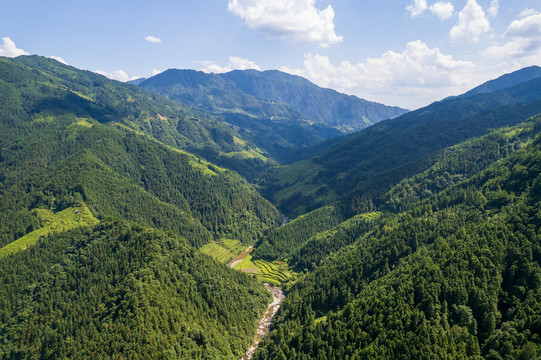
{"x":366,"y":164}
{"x":120,"y":208}
{"x":273,"y":105}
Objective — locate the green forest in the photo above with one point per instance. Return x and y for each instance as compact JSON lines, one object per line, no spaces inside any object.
{"x":135,"y":227}
{"x":454,"y":277}
{"x":119,"y":290}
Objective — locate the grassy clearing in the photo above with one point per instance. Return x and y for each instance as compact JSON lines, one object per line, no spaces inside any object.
{"x":54,"y":222}
{"x":83,"y":122}
{"x":224,"y":250}
{"x":239,"y":141}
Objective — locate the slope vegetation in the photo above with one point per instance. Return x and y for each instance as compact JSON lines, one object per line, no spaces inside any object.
{"x":281,"y":113}
{"x":367,"y":164}
{"x":100,"y":204}
{"x":124,"y":291}
{"x":455,"y":276}
{"x":53,"y":157}
{"x":33,"y":84}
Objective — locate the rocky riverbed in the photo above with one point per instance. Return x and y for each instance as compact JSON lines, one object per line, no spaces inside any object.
{"x":266,"y":320}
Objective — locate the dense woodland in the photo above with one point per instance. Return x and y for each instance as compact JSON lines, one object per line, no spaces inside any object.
{"x":53,"y":157}
{"x":365,"y":165}
{"x":124,"y":291}
{"x":417,"y":238}
{"x":454,"y":277}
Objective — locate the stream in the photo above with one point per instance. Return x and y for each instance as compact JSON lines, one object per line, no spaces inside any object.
{"x":266,"y":320}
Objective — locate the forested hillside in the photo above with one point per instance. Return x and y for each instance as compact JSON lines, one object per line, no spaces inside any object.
{"x":360,"y":169}
{"x":100,"y":206}
{"x":281,"y":113}
{"x":59,"y":155}
{"x":34,"y":84}
{"x":455,"y":276}
{"x":417,"y":238}
{"x":124,"y":291}
{"x":308,"y":240}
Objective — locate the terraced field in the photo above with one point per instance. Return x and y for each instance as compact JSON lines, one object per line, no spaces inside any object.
{"x":270,"y":272}
{"x":223,"y":250}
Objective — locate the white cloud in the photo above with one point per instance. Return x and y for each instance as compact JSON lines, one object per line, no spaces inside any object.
{"x":235,"y":63}
{"x":406,"y":79}
{"x":9,"y":49}
{"x":443,"y":10}
{"x":472,"y":23}
{"x":528,"y":26}
{"x":520,"y":45}
{"x":298,"y":20}
{"x":494,"y":8}
{"x":119,"y":75}
{"x":156,"y":72}
{"x":417,"y":8}
{"x":59,"y":59}
{"x":153,"y":39}
{"x":528,"y":12}
{"x":512,"y":49}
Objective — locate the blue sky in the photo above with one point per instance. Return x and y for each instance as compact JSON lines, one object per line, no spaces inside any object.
{"x":407,"y":53}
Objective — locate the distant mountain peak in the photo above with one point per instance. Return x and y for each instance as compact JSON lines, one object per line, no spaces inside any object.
{"x":322,"y":106}
{"x":506,"y":81}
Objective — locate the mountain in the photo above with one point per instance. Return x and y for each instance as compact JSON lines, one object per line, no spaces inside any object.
{"x":506,"y":81}
{"x":362,"y":167}
{"x":325,"y":106}
{"x":418,"y":237}
{"x":453,"y":276}
{"x":283,"y":113}
{"x":126,"y":291}
{"x":64,"y":88}
{"x":307,"y":241}
{"x":136,"y":81}
{"x":102,"y":212}
{"x":65,"y":147}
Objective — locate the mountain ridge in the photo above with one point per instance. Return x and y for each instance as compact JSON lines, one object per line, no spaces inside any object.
{"x":277,"y":86}
{"x":282,"y":113}
{"x":366,"y":162}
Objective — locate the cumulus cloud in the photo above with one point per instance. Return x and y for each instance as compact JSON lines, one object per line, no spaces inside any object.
{"x":528,"y":25}
{"x":153,"y":39}
{"x":494,"y":8}
{"x":298,"y":20}
{"x":9,"y":49}
{"x":235,"y":63}
{"x":520,"y":45}
{"x":443,"y":10}
{"x":119,"y":75}
{"x":512,"y":49}
{"x":156,"y":72}
{"x":472,"y":23}
{"x":417,"y":8}
{"x":406,"y":78}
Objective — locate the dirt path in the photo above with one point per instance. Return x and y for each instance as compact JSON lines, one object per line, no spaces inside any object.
{"x":237,"y":259}
{"x":266,"y":320}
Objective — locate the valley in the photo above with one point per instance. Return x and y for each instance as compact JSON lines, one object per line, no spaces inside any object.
{"x":239,"y":217}
{"x":266,"y":321}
